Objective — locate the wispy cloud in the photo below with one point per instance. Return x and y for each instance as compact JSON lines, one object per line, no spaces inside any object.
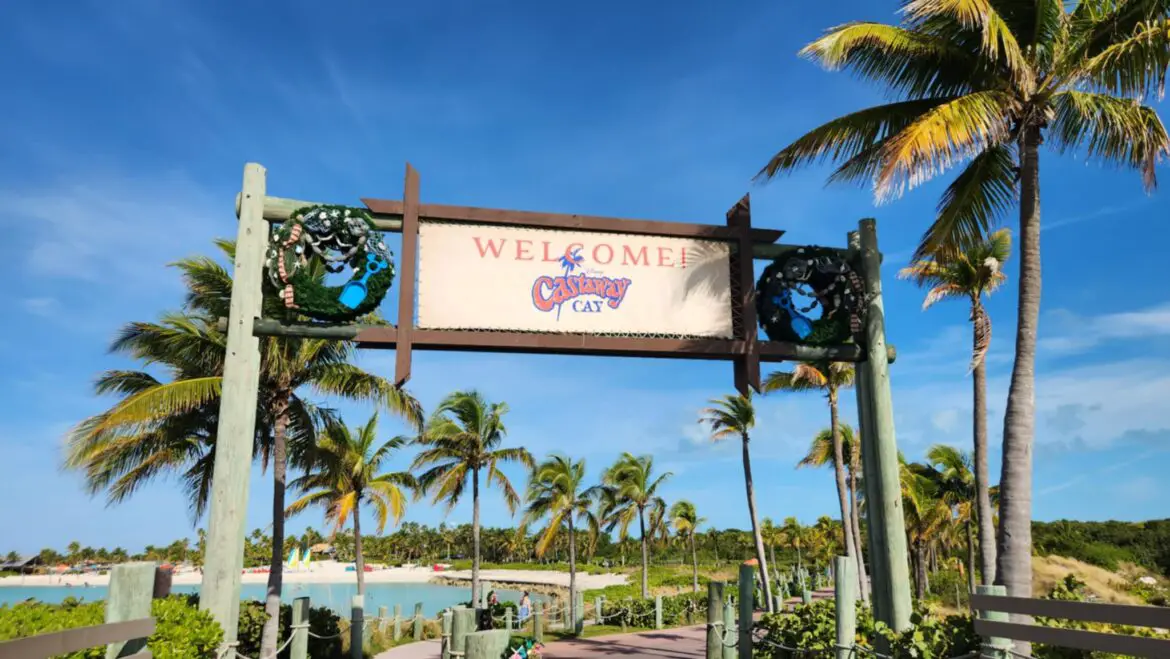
{"x":1105,"y":211}
{"x":1075,"y":333}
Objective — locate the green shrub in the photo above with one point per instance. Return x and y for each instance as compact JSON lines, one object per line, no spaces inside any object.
{"x":181,"y":631}
{"x":813,"y":628}
{"x":322,"y":622}
{"x":640,"y":612}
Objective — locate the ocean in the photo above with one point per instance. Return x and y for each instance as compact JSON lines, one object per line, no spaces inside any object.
{"x":337,"y":597}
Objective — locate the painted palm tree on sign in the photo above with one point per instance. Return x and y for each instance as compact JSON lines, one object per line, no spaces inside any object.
{"x":970,"y":274}
{"x":630,"y":491}
{"x":556,"y":491}
{"x":461,"y":442}
{"x":686,"y":521}
{"x":343,"y":473}
{"x":987,"y":82}
{"x":160,"y":427}
{"x":735,"y":416}
{"x":831,"y":378}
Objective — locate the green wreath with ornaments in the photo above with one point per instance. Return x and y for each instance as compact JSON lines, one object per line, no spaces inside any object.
{"x":337,"y":237}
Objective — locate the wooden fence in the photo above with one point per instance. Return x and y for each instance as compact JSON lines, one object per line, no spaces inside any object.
{"x":128,"y":621}
{"x":994,"y":607}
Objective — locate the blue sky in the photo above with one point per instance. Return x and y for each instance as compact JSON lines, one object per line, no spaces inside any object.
{"x":125,"y":127}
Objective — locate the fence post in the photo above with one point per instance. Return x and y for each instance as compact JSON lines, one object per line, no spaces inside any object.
{"x":299,"y":649}
{"x":578,"y":611}
{"x":537,"y":627}
{"x":845,"y":594}
{"x":658,"y":612}
{"x":508,"y":618}
{"x":994,"y":647}
{"x":130,"y":594}
{"x":397,"y":632}
{"x":729,"y":628}
{"x":445,"y":634}
{"x":483,"y":594}
{"x":747,"y":580}
{"x":382,"y":616}
{"x":462,"y":624}
{"x":714,"y":610}
{"x":806,"y":597}
{"x":418,"y":621}
{"x":597,"y":608}
{"x":357,"y":622}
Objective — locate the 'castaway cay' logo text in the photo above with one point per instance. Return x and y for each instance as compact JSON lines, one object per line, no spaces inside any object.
{"x":583,"y":289}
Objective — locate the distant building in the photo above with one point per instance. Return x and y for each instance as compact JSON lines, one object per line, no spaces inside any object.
{"x":24,"y":565}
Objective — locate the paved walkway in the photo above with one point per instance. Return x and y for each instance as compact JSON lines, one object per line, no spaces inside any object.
{"x":678,"y":643}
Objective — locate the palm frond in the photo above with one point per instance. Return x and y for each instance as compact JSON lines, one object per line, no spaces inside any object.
{"x":972,"y":202}
{"x":1119,"y":131}
{"x":957,"y":129}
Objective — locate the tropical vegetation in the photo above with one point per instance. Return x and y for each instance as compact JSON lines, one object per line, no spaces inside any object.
{"x":460,"y":445}
{"x":987,"y":83}
{"x":735,"y":416}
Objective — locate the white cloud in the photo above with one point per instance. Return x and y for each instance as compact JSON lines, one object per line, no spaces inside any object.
{"x":1141,"y":488}
{"x":110,"y":229}
{"x":41,"y":306}
{"x":1076,"y":334}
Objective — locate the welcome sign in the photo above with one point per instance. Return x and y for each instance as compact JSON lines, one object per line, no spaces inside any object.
{"x":473,"y":276}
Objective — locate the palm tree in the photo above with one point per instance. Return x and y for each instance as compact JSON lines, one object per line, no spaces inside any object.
{"x":630,"y":489}
{"x":796,"y":537}
{"x":161,"y":427}
{"x":555,"y":491}
{"x":926,"y":516}
{"x":831,"y":377}
{"x":462,"y":439}
{"x":949,"y":471}
{"x":685,"y":520}
{"x":735,"y":416}
{"x":987,"y":82}
{"x":971,"y":274}
{"x":344,"y":472}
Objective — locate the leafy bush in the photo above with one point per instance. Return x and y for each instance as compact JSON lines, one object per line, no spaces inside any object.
{"x":322,"y":622}
{"x":677,"y":610}
{"x":814,"y":628}
{"x":182,"y":631}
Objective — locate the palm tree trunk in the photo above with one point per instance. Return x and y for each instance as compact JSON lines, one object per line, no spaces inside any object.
{"x":645,"y":554}
{"x":839,"y":473}
{"x":271,"y":630}
{"x":1014,"y":564}
{"x":572,"y":622}
{"x":694,"y":564}
{"x":759,"y":539}
{"x":359,"y":559}
{"x":475,"y":538}
{"x":920,"y":572}
{"x":970,"y":558}
{"x":982,"y":484}
{"x":855,"y":519}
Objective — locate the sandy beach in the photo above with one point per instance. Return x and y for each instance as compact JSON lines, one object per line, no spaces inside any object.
{"x":329,"y":572}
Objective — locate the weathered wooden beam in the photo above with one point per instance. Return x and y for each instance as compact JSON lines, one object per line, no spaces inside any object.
{"x":1126,"y":646}
{"x":385,"y":337}
{"x":1114,"y":614}
{"x":220,"y":592}
{"x":387,"y":216}
{"x":894,"y":560}
{"x":131,"y":592}
{"x":714,"y":618}
{"x":747,"y":589}
{"x":845,"y":600}
{"x":78,"y":639}
{"x":408,"y":278}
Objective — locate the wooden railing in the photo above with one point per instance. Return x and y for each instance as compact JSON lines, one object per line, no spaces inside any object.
{"x":128,"y":622}
{"x":994,"y":607}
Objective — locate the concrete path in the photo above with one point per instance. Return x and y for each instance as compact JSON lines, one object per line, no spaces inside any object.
{"x":679,"y":643}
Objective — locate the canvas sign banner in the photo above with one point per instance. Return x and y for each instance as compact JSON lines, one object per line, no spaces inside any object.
{"x":473,"y":276}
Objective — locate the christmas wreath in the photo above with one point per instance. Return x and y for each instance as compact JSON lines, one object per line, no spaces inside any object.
{"x":824,"y":277}
{"x":337,"y":237}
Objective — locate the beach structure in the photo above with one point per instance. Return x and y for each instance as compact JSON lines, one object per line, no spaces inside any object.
{"x":491,"y":280}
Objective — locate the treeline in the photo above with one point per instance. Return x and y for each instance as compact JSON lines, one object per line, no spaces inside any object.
{"x":1107,"y":544}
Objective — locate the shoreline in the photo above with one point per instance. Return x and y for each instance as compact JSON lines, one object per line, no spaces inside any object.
{"x":329,"y":572}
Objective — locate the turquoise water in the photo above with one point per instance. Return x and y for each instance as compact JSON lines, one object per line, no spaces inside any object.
{"x":337,"y":597}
